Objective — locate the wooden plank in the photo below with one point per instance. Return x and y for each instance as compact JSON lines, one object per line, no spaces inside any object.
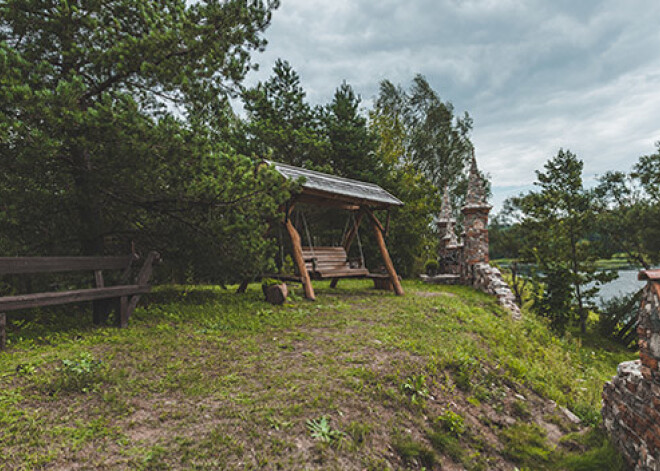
{"x":344,"y":273}
{"x":3,"y":332}
{"x":316,"y":201}
{"x":98,"y":279}
{"x":340,"y":200}
{"x":298,"y":259}
{"x":23,"y":265}
{"x":28,"y":301}
{"x":377,"y":227}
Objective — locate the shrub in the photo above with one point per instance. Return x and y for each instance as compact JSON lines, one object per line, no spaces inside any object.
{"x":80,"y":374}
{"x":431,"y":267}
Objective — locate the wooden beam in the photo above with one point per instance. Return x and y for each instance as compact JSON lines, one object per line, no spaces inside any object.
{"x":349,"y":241}
{"x":317,"y":201}
{"x":28,"y":301}
{"x":298,"y":259}
{"x":345,"y":199}
{"x":378,"y":232}
{"x":24,"y":265}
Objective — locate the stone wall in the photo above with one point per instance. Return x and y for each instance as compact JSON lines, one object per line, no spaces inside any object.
{"x":631,"y":401}
{"x":489,"y":280}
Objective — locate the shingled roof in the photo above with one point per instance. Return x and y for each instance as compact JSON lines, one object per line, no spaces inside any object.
{"x":649,"y":275}
{"x":323,"y":185}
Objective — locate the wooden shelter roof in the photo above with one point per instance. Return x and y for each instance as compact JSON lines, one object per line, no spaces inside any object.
{"x":649,"y":275}
{"x":323,"y":187}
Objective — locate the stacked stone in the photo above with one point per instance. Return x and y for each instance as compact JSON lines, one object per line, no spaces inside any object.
{"x":631,"y":401}
{"x":648,"y":330}
{"x":489,"y":280}
{"x":472,"y":254}
{"x":475,"y":212}
{"x":449,"y":248}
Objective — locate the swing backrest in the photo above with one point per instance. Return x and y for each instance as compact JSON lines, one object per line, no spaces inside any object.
{"x":331,"y":262}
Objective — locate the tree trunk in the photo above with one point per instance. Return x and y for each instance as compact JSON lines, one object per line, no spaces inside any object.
{"x":89,"y":230}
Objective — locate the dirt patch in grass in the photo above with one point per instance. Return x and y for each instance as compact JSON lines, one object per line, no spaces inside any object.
{"x":221,"y":381}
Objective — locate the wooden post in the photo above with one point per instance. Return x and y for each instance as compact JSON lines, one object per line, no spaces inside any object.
{"x":100,"y":308}
{"x":142,"y":279}
{"x":3,"y":333}
{"x":123,"y":312}
{"x":378,"y":231}
{"x":349,"y":240}
{"x":242,"y":287}
{"x":298,"y":258}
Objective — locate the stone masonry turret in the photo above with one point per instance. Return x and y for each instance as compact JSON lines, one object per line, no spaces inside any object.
{"x":446,"y":224}
{"x":467,"y":261}
{"x":475,"y":212}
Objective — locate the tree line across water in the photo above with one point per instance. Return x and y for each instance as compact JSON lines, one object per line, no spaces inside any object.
{"x":562,"y":229}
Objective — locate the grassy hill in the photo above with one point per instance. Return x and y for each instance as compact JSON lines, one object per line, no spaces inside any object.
{"x":207,"y":379}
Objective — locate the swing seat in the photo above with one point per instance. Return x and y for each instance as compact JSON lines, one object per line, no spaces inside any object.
{"x":331,"y":262}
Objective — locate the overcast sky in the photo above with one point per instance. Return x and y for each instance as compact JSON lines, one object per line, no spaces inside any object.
{"x":535,"y":75}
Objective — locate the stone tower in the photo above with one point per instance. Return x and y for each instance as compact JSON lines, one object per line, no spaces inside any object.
{"x":475,"y":212}
{"x":446,"y":223}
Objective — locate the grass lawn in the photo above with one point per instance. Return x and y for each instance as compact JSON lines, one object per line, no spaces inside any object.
{"x":207,"y":379}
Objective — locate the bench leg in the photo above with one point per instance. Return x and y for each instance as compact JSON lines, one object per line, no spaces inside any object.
{"x":242,"y":287}
{"x":3,"y":333}
{"x":123,"y":312}
{"x":333,"y":283}
{"x":101,"y":310}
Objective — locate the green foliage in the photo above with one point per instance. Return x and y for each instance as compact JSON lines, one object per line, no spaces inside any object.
{"x":320,"y":430}
{"x":556,"y":220}
{"x":93,"y":155}
{"x":434,"y":140}
{"x":625,"y":199}
{"x":411,"y":450}
{"x":431,"y":267}
{"x":359,"y":432}
{"x":80,"y":374}
{"x":520,"y":409}
{"x":447,"y":444}
{"x":526,"y":444}
{"x":216,"y":372}
{"x":451,"y":422}
{"x":281,"y":124}
{"x":415,"y":386}
{"x":598,"y":455}
{"x":616,"y":318}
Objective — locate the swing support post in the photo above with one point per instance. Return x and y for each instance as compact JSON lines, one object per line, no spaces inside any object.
{"x":389,"y":266}
{"x":298,"y":256}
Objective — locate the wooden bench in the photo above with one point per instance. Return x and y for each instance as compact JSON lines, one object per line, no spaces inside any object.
{"x":126,"y":295}
{"x":331,"y":262}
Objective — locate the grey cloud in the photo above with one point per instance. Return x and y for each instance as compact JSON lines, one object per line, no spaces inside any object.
{"x":535,"y":75}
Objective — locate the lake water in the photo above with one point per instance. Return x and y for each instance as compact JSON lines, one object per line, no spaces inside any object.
{"x":626,"y":283}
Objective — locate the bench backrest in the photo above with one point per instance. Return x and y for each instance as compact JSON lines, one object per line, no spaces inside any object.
{"x":325,"y":258}
{"x":20,"y":265}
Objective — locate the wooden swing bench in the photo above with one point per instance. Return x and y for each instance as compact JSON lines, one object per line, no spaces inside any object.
{"x":326,"y":262}
{"x":332,"y":262}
